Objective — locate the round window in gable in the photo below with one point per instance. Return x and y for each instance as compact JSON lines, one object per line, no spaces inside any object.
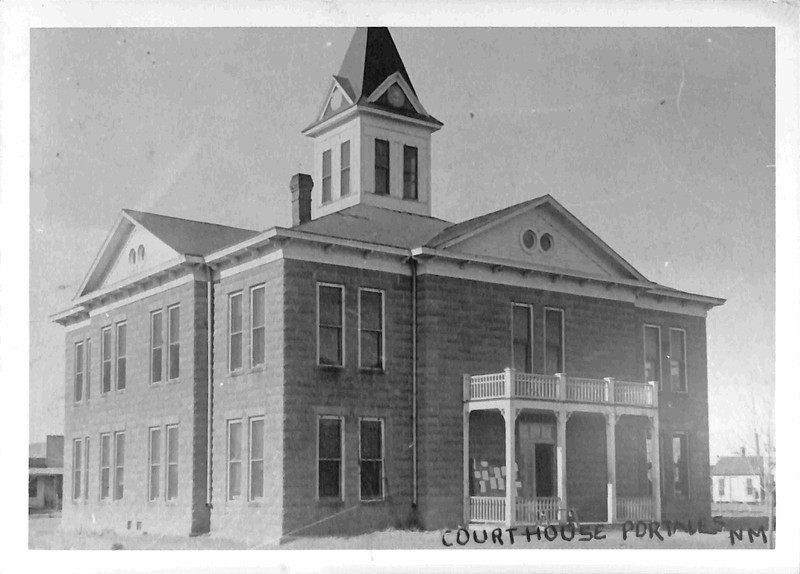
{"x":528,"y":239}
{"x":132,"y":257}
{"x":546,"y":242}
{"x":141,"y":253}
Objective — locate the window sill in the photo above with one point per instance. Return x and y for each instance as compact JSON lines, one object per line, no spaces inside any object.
{"x":370,"y":501}
{"x":330,"y":367}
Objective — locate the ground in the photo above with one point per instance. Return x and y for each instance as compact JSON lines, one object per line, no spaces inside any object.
{"x":45,"y":533}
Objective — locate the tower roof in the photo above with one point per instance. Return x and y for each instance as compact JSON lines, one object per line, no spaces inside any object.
{"x":371,"y":58}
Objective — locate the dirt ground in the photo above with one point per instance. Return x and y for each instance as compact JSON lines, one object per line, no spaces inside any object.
{"x":45,"y":533}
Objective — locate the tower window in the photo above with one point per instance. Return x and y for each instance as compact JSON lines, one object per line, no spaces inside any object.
{"x":410,"y":184}
{"x":381,"y":167}
{"x":326,"y":176}
{"x":344,"y":183}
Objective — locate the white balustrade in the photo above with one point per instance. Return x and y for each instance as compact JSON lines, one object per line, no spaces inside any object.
{"x":488,"y":386}
{"x":531,"y":386}
{"x":635,"y":508}
{"x":627,"y":393}
{"x":586,"y":390}
{"x":539,"y":510}
{"x":487,"y":509}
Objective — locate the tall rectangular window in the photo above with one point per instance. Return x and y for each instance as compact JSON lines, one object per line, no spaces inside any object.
{"x":722,"y":487}
{"x":371,"y":458}
{"x":156,"y":346}
{"x":326,"y":176}
{"x":553,"y":341}
{"x":330,"y":312}
{"x":329,"y":457}
{"x":154,"y":479}
{"x":105,"y":352}
{"x":88,"y":383}
{"x":122,"y":355}
{"x":105,"y":466}
{"x":119,"y":465}
{"x":235,"y":332}
{"x":172,"y":462}
{"x":652,"y":354}
{"x":258,"y":320}
{"x":234,"y":460}
{"x":522,"y":337}
{"x":256,"y":458}
{"x":79,"y":369}
{"x":174,"y":349}
{"x":381,"y":167}
{"x":86,"y":468}
{"x":680,"y":465}
{"x":410,"y":173}
{"x":344,"y":182}
{"x":749,"y":486}
{"x":370,"y":327}
{"x":677,"y":360}
{"x":77,"y":466}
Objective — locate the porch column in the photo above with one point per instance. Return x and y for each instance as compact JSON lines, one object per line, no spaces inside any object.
{"x":561,"y":457}
{"x":611,"y":464}
{"x":656,"y":462}
{"x":510,"y":415}
{"x":467,"y":509}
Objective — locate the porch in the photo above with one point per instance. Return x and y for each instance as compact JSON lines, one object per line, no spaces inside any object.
{"x":603,"y":467}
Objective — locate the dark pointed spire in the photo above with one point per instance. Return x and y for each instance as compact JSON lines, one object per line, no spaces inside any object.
{"x":371,"y":58}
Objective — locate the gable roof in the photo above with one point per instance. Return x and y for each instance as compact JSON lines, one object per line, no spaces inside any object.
{"x":377,"y":225}
{"x":460,"y":231}
{"x":189,"y":237}
{"x":737,"y":466}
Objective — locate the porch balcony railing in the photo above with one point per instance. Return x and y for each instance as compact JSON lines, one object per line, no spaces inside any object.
{"x":492,"y":509}
{"x":559,"y":387}
{"x":635,"y":508}
{"x":487,"y":509}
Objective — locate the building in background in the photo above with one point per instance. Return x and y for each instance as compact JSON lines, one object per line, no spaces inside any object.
{"x":45,"y":474}
{"x":373,"y":366}
{"x":738,"y":479}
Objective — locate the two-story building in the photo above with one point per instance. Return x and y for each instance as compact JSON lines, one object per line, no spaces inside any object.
{"x":374,"y":366}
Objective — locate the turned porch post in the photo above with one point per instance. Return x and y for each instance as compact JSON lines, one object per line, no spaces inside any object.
{"x":611,"y":464}
{"x":510,"y":415}
{"x":467,"y":469}
{"x":561,"y":457}
{"x":656,"y":465}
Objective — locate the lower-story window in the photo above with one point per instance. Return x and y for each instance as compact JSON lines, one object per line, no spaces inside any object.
{"x":371,"y":458}
{"x":234,"y":460}
{"x":680,"y":465}
{"x":172,"y":462}
{"x":155,"y":463}
{"x":256,"y":458}
{"x":77,"y":466}
{"x":119,"y":465}
{"x":330,"y":433}
{"x":105,"y":466}
{"x":85,"y":468}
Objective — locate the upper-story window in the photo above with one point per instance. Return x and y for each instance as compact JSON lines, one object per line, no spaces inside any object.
{"x":235,"y":332}
{"x":174,"y":349}
{"x":410,"y":173}
{"x":381,"y":167}
{"x":258,"y":321}
{"x":522,"y":339}
{"x":105,"y":351}
{"x":677,"y":360}
{"x":326,"y":176}
{"x":553,"y":341}
{"x":344,"y":173}
{"x":88,"y":377}
{"x":79,"y":368}
{"x":330,"y":328}
{"x":652,"y":354}
{"x":370,"y":327}
{"x":156,"y":346}
{"x":122,"y":355}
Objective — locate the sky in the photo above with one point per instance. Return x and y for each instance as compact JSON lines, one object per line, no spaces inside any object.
{"x":660,"y":140}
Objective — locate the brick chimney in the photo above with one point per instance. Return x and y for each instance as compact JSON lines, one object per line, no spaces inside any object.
{"x":301,"y":186}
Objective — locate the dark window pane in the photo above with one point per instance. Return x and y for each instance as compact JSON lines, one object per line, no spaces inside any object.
{"x":88,"y":377}
{"x":257,"y":439}
{"x":371,"y":479}
{"x":651,"y":355}
{"x":553,"y":342}
{"x":155,"y":472}
{"x":172,"y":444}
{"x":235,"y":441}
{"x":381,"y":167}
{"x":119,"y":485}
{"x":410,"y":185}
{"x":257,"y":479}
{"x":236,"y":352}
{"x":677,"y":360}
{"x":122,"y":340}
{"x":521,"y":357}
{"x":371,"y":440}
{"x":330,"y":442}
{"x":236,"y":313}
{"x":174,"y":324}
{"x":326,"y":176}
{"x":174,"y":360}
{"x":371,"y":350}
{"x":330,"y":305}
{"x":121,"y":373}
{"x":371,"y":310}
{"x":172,"y":481}
{"x":158,"y":329}
{"x":157,"y":362}
{"x":330,"y":345}
{"x":107,"y":344}
{"x":345,"y":169}
{"x":235,"y":480}
{"x":329,"y":478}
{"x":258,"y":346}
{"x":258,"y":314}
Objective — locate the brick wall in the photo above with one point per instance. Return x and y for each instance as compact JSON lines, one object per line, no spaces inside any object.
{"x":134,"y":410}
{"x":349,"y":392}
{"x":255,"y":391}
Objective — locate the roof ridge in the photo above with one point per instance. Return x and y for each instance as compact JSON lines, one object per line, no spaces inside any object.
{"x":138,"y":212}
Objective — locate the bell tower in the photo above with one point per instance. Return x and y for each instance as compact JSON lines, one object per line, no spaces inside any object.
{"x":372,"y":135}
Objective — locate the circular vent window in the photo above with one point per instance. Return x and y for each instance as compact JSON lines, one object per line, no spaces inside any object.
{"x":132,"y":257}
{"x":528,"y":239}
{"x":547,"y":242}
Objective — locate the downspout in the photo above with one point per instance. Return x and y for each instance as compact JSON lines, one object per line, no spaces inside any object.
{"x":413,"y":263}
{"x":210,"y":377}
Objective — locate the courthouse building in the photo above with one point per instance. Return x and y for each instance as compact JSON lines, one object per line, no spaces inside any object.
{"x":374,"y":366}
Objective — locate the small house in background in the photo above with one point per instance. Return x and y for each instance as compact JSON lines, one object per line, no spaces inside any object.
{"x":45,"y":473}
{"x":737,"y":479}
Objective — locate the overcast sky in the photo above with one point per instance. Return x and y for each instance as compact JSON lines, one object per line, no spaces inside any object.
{"x":660,"y":140}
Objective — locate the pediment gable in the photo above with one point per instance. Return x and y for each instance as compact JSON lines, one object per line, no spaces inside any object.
{"x":541,"y":232}
{"x":395,"y":93}
{"x":338,"y":99}
{"x":130,"y":250}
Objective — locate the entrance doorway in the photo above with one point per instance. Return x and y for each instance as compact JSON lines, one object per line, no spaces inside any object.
{"x":544,"y":456}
